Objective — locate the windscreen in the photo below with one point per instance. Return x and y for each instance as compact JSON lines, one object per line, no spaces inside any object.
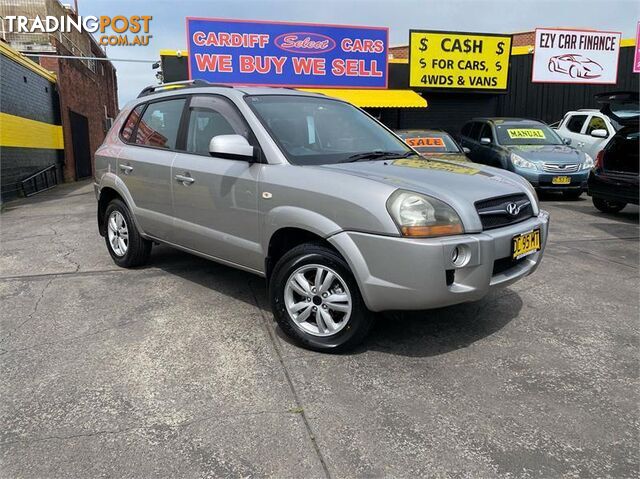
{"x":526,"y":134}
{"x":315,"y":131}
{"x":430,"y":142}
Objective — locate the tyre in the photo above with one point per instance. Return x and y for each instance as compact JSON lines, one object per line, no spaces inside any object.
{"x":127,"y":248}
{"x":607,"y":206}
{"x":571,"y":195}
{"x":316,"y":301}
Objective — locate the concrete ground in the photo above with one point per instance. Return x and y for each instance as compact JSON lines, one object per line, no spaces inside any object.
{"x":177,"y":369}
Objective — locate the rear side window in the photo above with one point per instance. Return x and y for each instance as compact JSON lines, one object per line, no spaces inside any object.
{"x":575,"y":122}
{"x":211,"y":116}
{"x":160,"y":124}
{"x":130,"y":124}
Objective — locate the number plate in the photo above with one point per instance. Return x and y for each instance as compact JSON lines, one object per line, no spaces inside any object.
{"x":561,"y":180}
{"x":525,"y":244}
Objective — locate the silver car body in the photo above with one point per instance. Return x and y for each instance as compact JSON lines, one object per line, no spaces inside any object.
{"x":233,"y":209}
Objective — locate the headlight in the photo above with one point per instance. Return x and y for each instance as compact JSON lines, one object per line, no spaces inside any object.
{"x":588,"y":162}
{"x":520,"y":162}
{"x":420,"y":215}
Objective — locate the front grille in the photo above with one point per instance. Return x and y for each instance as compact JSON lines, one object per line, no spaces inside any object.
{"x":558,"y":168}
{"x":494,"y":211}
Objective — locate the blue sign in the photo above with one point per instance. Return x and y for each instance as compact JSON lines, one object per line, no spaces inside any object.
{"x":287,"y":54}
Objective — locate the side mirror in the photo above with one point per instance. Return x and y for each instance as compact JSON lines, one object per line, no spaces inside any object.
{"x":485,"y":141}
{"x":566,"y":141}
{"x":599,"y":133}
{"x":233,"y":147}
{"x":466,"y":150}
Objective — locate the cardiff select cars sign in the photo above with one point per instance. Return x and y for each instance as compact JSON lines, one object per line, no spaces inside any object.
{"x":287,"y":54}
{"x":574,"y":56}
{"x":458,"y":60}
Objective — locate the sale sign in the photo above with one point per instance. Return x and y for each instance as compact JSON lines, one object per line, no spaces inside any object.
{"x":287,"y":54}
{"x":575,"y":56}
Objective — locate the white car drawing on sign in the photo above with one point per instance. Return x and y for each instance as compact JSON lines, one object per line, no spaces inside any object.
{"x":575,"y":65}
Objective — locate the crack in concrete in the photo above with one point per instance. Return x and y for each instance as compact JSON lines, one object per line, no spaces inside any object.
{"x":298,"y":403}
{"x":145,"y":428}
{"x":30,"y":316}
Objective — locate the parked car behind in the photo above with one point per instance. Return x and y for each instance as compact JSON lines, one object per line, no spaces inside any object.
{"x":338,"y":214}
{"x":587,"y":130}
{"x":529,"y":148}
{"x":434,"y":143}
{"x":613,"y":182}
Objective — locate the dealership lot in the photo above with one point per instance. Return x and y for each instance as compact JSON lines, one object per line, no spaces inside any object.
{"x":178,"y":369}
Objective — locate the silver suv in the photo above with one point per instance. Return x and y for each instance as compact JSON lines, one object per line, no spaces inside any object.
{"x":340,"y":216}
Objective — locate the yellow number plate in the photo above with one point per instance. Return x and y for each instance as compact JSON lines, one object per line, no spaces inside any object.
{"x":525,"y":244}
{"x":561,"y":180}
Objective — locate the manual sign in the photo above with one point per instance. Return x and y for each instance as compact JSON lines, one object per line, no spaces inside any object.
{"x":575,"y":56}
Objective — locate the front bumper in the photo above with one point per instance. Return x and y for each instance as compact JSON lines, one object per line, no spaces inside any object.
{"x":396,"y":273}
{"x":544,"y":181}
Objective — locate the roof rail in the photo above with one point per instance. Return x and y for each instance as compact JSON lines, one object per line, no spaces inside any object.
{"x":178,"y":84}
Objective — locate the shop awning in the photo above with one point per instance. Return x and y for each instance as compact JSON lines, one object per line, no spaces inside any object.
{"x":375,"y":98}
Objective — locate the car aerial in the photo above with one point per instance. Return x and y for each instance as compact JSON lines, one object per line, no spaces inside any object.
{"x":613,"y":182}
{"x":531,"y":149}
{"x":575,"y":65}
{"x":587,"y":130}
{"x":340,"y":216}
{"x":433,"y":144}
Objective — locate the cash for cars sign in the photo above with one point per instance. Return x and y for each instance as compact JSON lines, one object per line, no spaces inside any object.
{"x":574,"y":56}
{"x":287,"y":54}
{"x":457,"y":60}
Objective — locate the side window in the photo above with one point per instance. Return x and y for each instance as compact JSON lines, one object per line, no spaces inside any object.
{"x":486,"y":132}
{"x":475,"y":131}
{"x":160,"y":124}
{"x":466,"y":129}
{"x":130,"y":124}
{"x":596,"y":123}
{"x":211,"y":116}
{"x":575,"y":122}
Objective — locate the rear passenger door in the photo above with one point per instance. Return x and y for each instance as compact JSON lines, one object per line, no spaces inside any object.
{"x":572,"y":127}
{"x":216,"y":209}
{"x":144,"y":165}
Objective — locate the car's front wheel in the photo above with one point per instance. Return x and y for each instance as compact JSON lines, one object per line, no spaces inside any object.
{"x":125,"y":245}
{"x":607,"y":206}
{"x":316,"y":300}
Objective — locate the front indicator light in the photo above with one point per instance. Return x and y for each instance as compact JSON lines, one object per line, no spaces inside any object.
{"x":442,"y":230}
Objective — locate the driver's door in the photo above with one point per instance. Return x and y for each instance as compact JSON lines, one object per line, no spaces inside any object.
{"x":215,"y":199}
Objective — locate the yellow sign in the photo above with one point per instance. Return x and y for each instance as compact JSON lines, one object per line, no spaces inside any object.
{"x":455,"y":60}
{"x":535,"y":133}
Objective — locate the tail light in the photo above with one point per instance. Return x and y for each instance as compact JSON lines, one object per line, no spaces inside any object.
{"x":599,"y":158}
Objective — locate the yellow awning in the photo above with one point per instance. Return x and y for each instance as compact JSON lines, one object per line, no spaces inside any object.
{"x":375,"y":98}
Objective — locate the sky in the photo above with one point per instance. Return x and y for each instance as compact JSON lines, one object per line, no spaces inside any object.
{"x":499,"y":16}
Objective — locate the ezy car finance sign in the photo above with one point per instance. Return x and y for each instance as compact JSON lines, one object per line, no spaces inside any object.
{"x":575,"y":56}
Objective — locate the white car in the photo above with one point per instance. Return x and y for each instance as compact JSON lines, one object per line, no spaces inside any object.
{"x":588,"y":130}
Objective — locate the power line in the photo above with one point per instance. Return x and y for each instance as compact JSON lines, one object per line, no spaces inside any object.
{"x":102,"y":59}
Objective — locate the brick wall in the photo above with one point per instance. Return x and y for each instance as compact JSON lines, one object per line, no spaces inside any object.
{"x":84,"y":92}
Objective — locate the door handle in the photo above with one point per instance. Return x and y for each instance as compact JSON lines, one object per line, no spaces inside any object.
{"x":126,"y":169}
{"x":185,"y":180}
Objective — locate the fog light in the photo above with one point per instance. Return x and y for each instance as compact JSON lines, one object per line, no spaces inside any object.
{"x":459,"y":256}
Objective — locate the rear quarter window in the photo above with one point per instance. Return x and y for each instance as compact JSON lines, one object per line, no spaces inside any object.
{"x":131,"y":122}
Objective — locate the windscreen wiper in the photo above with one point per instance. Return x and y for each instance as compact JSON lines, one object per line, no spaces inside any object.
{"x":378,"y":155}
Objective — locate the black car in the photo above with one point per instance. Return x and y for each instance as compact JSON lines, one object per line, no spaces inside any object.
{"x":613,"y":182}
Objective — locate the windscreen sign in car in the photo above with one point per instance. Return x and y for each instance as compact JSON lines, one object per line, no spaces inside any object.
{"x":287,"y":54}
{"x":575,"y":56}
{"x":458,"y":61}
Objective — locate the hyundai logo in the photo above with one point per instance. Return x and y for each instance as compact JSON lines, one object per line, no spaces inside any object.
{"x":513,"y":209}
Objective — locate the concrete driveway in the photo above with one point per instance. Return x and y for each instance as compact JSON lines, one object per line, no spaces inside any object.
{"x":177,"y":369}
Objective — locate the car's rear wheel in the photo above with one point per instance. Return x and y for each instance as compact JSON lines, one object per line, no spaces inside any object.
{"x":126,"y":247}
{"x":316,"y":300}
{"x":607,"y":206}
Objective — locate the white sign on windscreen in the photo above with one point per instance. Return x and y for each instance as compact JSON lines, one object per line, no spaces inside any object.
{"x":575,"y":56}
